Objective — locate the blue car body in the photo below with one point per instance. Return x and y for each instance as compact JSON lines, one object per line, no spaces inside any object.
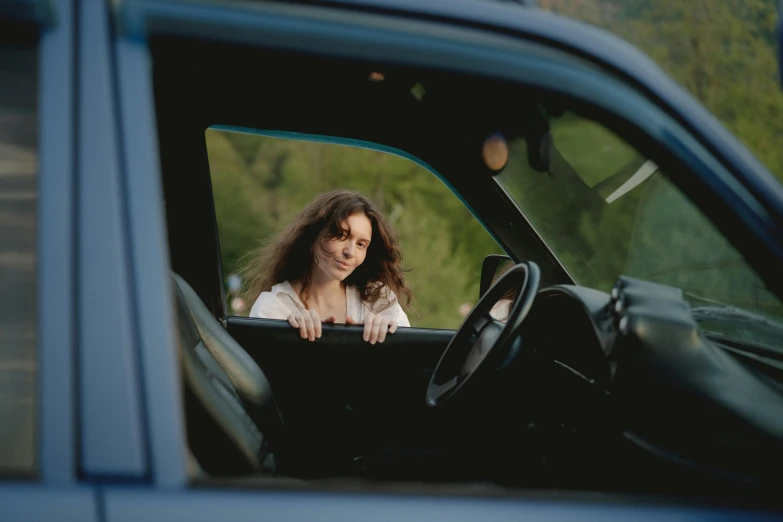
{"x":110,"y":426}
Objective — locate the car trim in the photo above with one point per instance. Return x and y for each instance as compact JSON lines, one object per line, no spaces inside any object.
{"x":112,"y":437}
{"x":403,"y":503}
{"x":56,"y":253}
{"x":151,"y":282}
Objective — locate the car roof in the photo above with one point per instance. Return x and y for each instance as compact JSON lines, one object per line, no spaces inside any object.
{"x":611,"y":53}
{"x":522,"y":18}
{"x":605,"y":50}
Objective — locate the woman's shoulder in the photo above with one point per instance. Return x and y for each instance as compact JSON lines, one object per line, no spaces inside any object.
{"x":277,"y":303}
{"x":282,"y":288}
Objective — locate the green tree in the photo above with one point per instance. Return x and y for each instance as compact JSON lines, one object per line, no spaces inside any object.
{"x":722,"y":51}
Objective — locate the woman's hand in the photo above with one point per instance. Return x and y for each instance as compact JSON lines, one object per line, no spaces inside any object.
{"x":309,"y":323}
{"x":375,"y":327}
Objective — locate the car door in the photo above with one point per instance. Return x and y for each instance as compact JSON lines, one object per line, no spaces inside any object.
{"x":39,"y":467}
{"x":399,"y":34}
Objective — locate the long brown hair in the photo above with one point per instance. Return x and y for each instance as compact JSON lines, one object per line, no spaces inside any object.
{"x":290,"y":255}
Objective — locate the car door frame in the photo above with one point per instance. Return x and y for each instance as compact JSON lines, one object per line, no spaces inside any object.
{"x":56,"y":486}
{"x":165,"y":492}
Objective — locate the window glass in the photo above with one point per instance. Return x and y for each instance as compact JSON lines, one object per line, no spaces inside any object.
{"x":606,"y":210}
{"x":18,"y":202}
{"x":260,"y":182}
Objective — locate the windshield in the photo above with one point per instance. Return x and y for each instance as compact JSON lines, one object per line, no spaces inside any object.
{"x":605,"y":210}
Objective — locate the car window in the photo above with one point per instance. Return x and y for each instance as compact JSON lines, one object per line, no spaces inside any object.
{"x":18,"y":201}
{"x":606,"y":210}
{"x":260,"y":181}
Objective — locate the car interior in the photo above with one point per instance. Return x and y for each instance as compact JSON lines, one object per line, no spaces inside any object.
{"x":577,"y":391}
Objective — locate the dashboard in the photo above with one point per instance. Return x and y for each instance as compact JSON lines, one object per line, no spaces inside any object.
{"x":642,"y":392}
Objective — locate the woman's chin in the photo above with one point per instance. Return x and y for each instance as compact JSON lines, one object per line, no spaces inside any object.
{"x":340,"y":275}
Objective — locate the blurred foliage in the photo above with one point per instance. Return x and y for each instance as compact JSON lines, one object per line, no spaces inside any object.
{"x":260,"y":183}
{"x":721,"y":51}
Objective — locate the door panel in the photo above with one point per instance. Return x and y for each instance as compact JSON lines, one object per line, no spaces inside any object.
{"x":345,"y":401}
{"x":355,"y":409}
{"x":32,"y":502}
{"x":124,"y":504}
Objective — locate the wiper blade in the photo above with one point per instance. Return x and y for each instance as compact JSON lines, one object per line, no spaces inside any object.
{"x":743,"y":329}
{"x":737,"y":315}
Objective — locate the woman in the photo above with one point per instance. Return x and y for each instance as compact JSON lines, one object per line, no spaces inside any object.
{"x":339,"y":262}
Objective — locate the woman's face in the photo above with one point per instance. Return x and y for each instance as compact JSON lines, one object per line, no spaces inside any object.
{"x":340,"y":256}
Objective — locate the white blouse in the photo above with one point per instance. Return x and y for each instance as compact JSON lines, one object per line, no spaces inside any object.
{"x":283,"y":300}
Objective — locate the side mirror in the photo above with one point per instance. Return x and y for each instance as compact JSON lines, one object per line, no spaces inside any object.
{"x":494,"y":266}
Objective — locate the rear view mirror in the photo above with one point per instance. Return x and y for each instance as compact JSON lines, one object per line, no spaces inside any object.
{"x":494,"y":266}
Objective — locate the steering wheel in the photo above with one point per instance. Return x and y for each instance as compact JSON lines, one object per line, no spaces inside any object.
{"x":466,"y":355}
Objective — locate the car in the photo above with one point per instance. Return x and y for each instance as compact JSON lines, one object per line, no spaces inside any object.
{"x":636,"y":375}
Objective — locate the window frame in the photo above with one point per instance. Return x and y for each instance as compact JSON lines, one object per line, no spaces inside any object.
{"x":346,"y":142}
{"x":57,"y":249}
{"x":650,"y":115}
